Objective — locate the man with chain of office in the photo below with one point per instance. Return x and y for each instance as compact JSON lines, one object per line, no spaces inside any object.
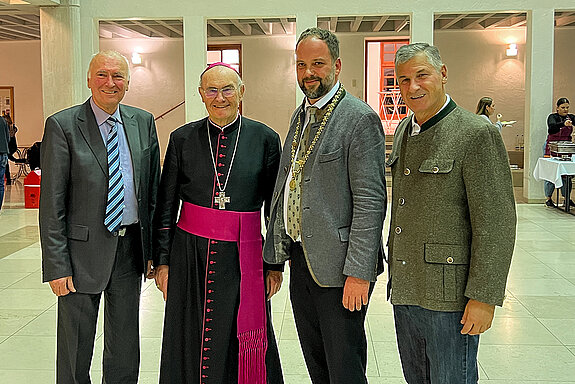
{"x":221,"y":170}
{"x":327,"y":214}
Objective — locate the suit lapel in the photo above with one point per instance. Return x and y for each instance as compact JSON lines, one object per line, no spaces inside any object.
{"x":133,"y":137}
{"x":91,"y":133}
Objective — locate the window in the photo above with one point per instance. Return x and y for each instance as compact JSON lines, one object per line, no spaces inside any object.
{"x":382,"y":89}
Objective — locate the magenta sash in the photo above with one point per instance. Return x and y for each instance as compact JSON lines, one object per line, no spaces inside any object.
{"x":245,"y":229}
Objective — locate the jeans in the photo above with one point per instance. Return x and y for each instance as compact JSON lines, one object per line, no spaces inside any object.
{"x":431,"y":347}
{"x":550,"y":187}
{"x":3,"y":162}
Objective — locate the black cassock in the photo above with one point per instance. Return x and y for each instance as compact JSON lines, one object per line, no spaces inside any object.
{"x":200,"y":342}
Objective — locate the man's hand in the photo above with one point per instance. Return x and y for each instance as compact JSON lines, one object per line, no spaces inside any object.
{"x":477,"y":317}
{"x":273,"y":282}
{"x":355,"y":293}
{"x":161,"y":277}
{"x":150,"y":272}
{"x":62,"y":286}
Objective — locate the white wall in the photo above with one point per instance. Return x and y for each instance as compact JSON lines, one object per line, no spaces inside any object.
{"x":158,"y":84}
{"x":22,"y":69}
{"x":564,"y":67}
{"x":477,"y":67}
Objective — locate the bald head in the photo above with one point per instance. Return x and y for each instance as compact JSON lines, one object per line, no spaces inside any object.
{"x":112,"y":56}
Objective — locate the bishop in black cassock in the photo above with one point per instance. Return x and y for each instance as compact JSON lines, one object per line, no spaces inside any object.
{"x":201,"y":276}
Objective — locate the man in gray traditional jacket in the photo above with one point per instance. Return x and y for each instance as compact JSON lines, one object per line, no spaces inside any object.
{"x":327,"y":213}
{"x":452,"y":225}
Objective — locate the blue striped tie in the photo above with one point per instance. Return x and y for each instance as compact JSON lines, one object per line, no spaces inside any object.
{"x":115,"y":205}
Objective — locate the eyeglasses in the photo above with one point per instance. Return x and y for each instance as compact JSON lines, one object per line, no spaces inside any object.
{"x":226,"y":92}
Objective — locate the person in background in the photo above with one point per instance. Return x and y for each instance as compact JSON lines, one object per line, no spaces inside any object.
{"x":12,"y":146}
{"x":559,"y":128}
{"x":4,"y":139}
{"x":486,"y":108}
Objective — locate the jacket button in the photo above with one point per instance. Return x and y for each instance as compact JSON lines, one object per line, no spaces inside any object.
{"x":407,"y":171}
{"x":309,"y":236}
{"x":275,"y":194}
{"x":435,"y":169}
{"x":397,"y":230}
{"x":285,"y":169}
{"x":450,"y":260}
{"x":401,"y":201}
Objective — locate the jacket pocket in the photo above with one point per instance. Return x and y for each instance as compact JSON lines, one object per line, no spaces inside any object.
{"x":343,"y":234}
{"x":78,"y":232}
{"x":446,"y":271}
{"x":436,"y":166}
{"x":325,"y":157}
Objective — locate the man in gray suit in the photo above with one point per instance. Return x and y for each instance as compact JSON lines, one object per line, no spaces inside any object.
{"x":452,"y":225}
{"x":100,"y":173}
{"x":327,"y":213}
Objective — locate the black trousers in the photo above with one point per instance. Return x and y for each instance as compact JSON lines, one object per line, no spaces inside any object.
{"x":78,"y":315}
{"x":332,"y":338}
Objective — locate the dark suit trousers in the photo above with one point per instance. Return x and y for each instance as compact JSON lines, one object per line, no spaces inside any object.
{"x":332,"y":338}
{"x":78,"y":315}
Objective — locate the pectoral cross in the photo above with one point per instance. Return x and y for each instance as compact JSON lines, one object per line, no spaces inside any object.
{"x":221,"y":200}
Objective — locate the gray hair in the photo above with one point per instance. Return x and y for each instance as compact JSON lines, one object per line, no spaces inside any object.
{"x":327,"y":36}
{"x":109,"y":55}
{"x":409,"y":51}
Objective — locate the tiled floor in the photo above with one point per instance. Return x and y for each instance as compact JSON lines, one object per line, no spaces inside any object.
{"x":532,"y":339}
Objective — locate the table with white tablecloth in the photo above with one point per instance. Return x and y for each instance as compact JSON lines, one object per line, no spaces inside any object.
{"x":556,"y":171}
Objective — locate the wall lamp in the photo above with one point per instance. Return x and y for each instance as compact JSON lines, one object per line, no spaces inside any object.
{"x":136,"y":58}
{"x":511,"y":50}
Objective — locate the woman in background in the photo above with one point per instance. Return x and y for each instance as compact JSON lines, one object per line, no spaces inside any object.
{"x":486,"y":108}
{"x":559,"y":128}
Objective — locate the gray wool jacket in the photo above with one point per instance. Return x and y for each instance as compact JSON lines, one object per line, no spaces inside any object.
{"x":453,"y":219}
{"x":343,"y":197}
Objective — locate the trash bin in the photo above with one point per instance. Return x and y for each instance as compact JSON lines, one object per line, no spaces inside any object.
{"x":32,"y":189}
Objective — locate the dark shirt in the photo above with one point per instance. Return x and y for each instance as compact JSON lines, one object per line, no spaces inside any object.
{"x":4,"y":136}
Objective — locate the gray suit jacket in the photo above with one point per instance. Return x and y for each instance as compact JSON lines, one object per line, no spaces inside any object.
{"x":343,"y":197}
{"x":74,"y":191}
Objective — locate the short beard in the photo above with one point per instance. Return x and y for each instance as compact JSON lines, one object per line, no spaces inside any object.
{"x":322,"y":89}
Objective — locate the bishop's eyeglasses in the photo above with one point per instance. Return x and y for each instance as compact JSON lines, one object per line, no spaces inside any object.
{"x":228,"y":91}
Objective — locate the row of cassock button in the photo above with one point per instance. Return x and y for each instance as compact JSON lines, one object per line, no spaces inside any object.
{"x":208,"y":304}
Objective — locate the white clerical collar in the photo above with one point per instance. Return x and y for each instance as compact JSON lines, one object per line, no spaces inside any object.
{"x":102,"y":115}
{"x":416,"y":128}
{"x":325,"y":99}
{"x":225,"y":126}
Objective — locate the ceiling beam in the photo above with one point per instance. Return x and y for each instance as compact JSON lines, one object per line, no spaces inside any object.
{"x":399,"y":24}
{"x":453,"y":21}
{"x":220,"y":28}
{"x":379,"y":24}
{"x":286,"y":26}
{"x":564,"y":21}
{"x":17,"y":33}
{"x":502,"y":21}
{"x":332,"y":24}
{"x":151,"y":28}
{"x":354,"y":26}
{"x":246,"y":29}
{"x":265,"y":27}
{"x":177,"y":31}
{"x":121,"y":30}
{"x":477,"y":22}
